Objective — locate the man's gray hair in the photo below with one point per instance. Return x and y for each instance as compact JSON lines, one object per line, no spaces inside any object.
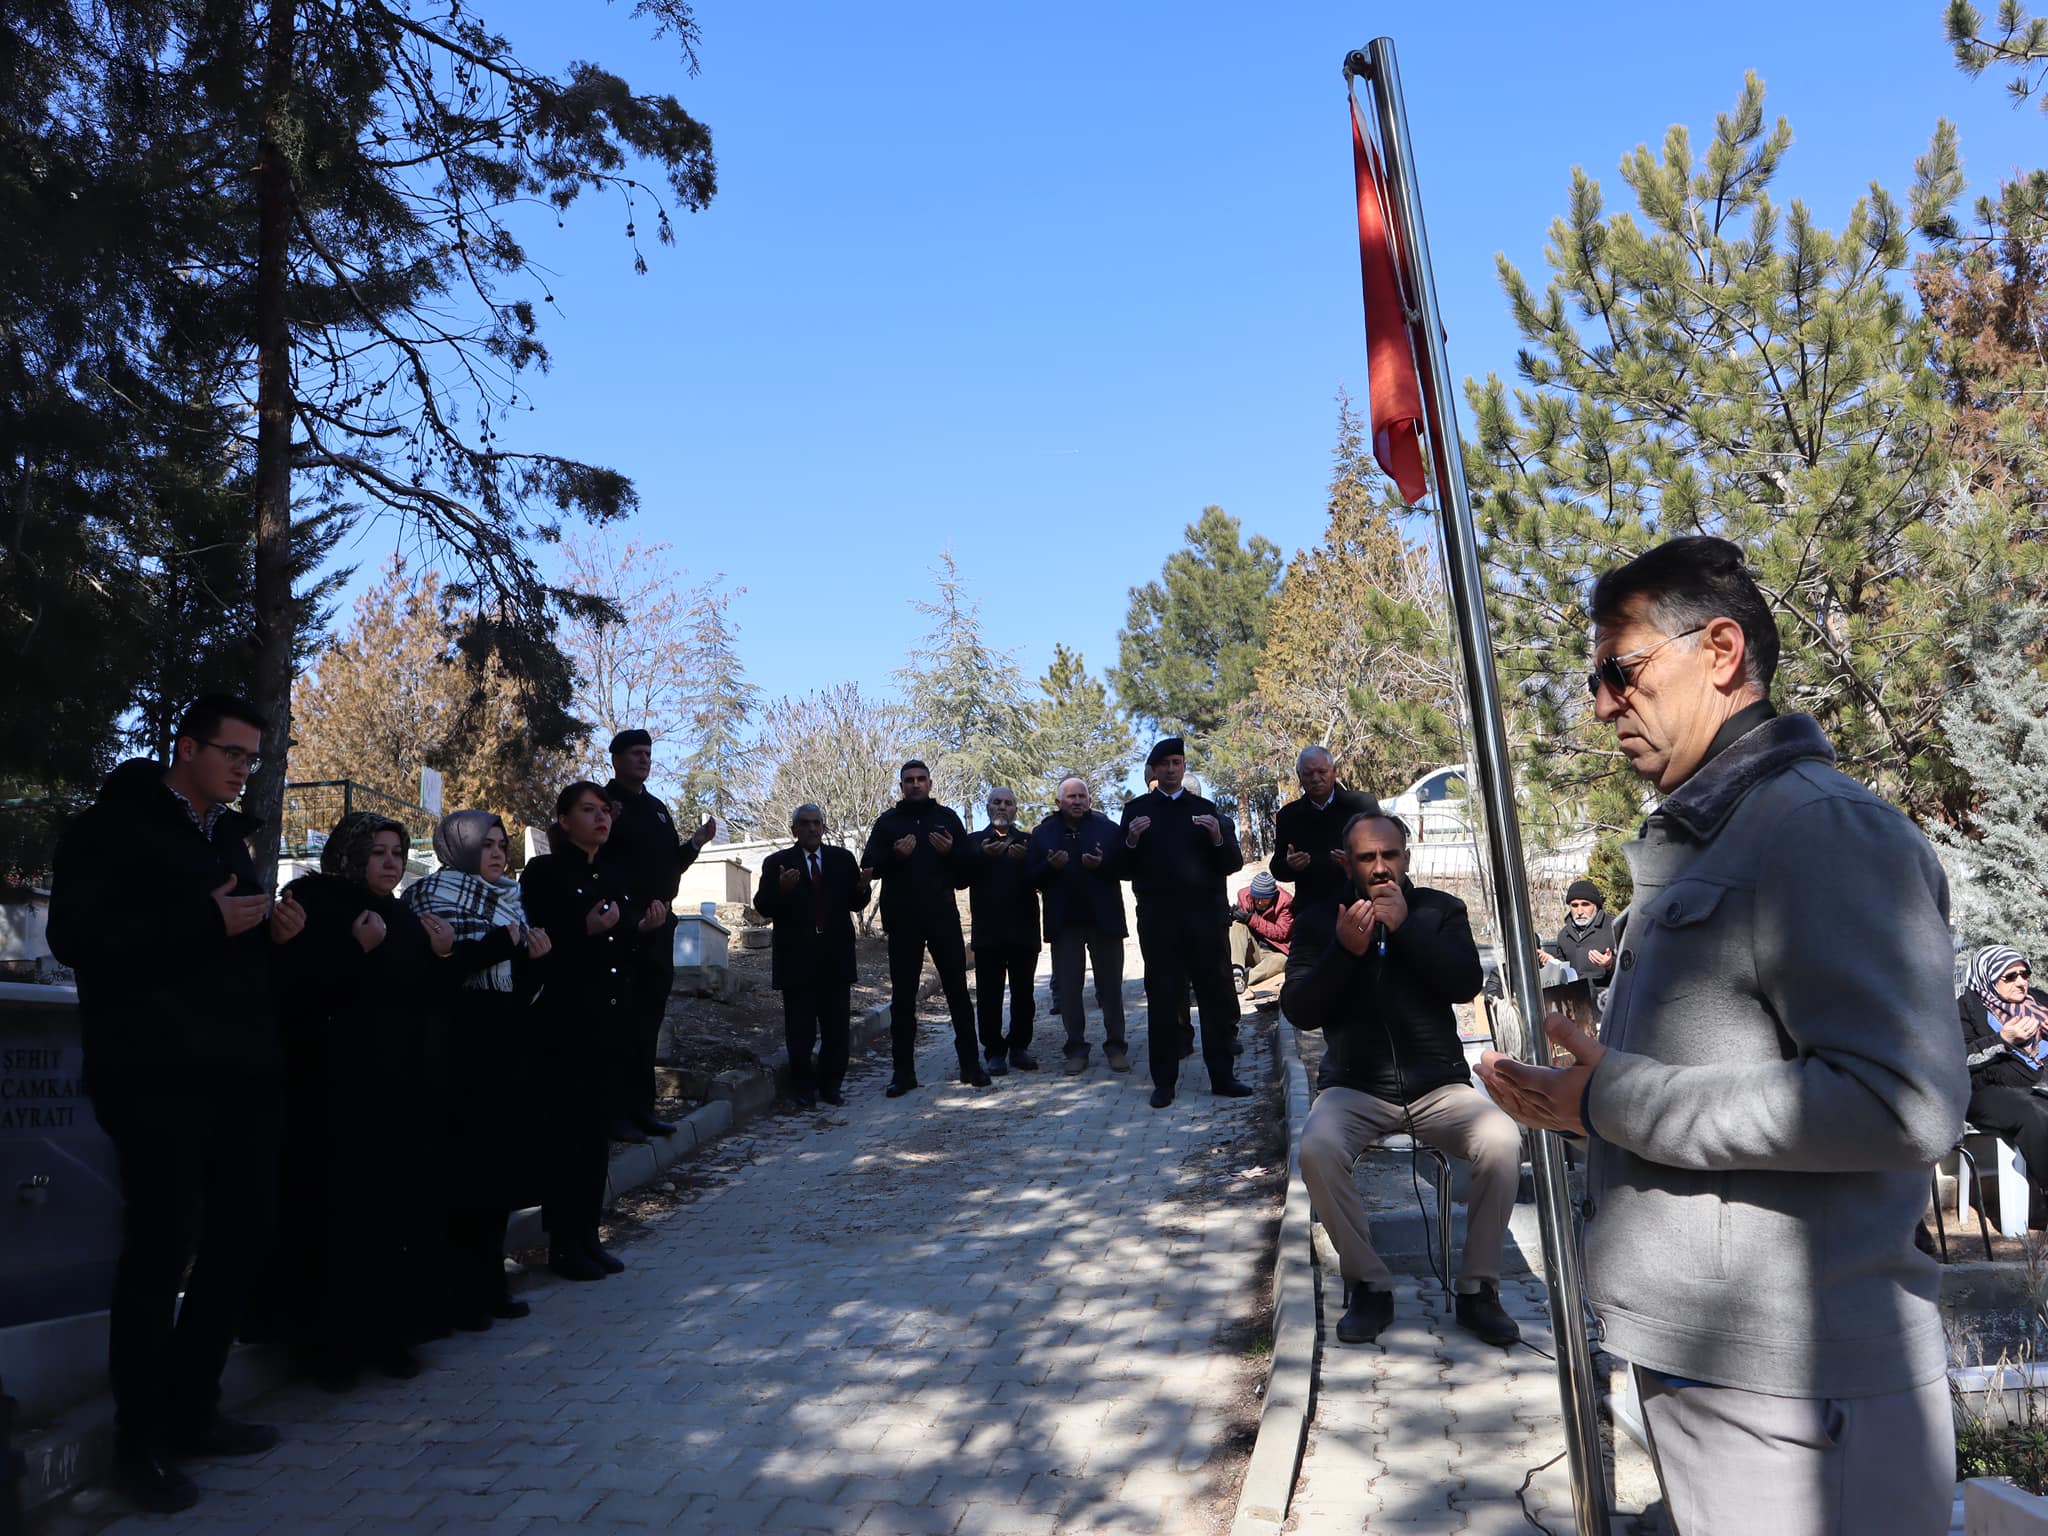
{"x":806,"y":806}
{"x":1314,"y":749}
{"x":999,"y":790}
{"x":1072,"y":778}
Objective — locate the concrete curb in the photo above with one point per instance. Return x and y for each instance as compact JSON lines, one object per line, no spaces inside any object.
{"x":75,"y":1450}
{"x":1290,"y":1384}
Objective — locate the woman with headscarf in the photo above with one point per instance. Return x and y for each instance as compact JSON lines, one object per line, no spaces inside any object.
{"x":2005,"y":1039}
{"x":593,"y":924}
{"x":362,"y":1009}
{"x":495,"y":1083}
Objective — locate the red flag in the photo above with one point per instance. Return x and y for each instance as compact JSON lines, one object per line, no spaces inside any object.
{"x":1395,"y":392}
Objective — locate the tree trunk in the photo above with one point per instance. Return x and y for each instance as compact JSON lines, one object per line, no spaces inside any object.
{"x":276,"y":613}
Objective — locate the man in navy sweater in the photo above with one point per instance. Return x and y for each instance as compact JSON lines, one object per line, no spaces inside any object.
{"x":1178,"y":850}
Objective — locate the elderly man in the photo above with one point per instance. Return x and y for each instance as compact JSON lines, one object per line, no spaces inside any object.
{"x":810,"y":893}
{"x":1308,"y":835}
{"x":1074,"y":863}
{"x":1002,"y":905}
{"x":652,"y":855}
{"x":1382,"y":993}
{"x":1262,"y":928}
{"x":1770,"y":1086}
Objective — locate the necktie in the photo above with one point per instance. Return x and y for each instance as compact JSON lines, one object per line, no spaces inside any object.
{"x":817,"y":894}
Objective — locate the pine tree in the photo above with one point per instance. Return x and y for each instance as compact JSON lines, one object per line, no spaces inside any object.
{"x":1723,"y":365}
{"x":1357,"y":649}
{"x":718,"y":703}
{"x":1076,"y":732}
{"x":963,"y":699}
{"x":1999,"y":857}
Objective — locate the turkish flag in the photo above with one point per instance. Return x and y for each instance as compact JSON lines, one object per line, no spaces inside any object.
{"x":1395,"y":392}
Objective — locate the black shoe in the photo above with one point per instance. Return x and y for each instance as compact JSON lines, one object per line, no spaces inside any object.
{"x":654,"y":1127}
{"x":1161,"y":1097}
{"x":972,"y":1075}
{"x":601,"y":1256}
{"x":570,"y":1262}
{"x":222,"y":1436}
{"x":626,"y":1131}
{"x":832,"y":1096}
{"x":149,"y":1482}
{"x":1024,"y":1061}
{"x":1118,"y":1056}
{"x":1231,"y":1088}
{"x":804,"y":1098}
{"x":1482,"y":1313}
{"x":1367,"y":1316}
{"x":999,"y":1065}
{"x":1239,"y":980}
{"x":505,"y":1309}
{"x":1076,"y":1061}
{"x":400,"y":1364}
{"x":899,"y":1086}
{"x":1054,"y":1008}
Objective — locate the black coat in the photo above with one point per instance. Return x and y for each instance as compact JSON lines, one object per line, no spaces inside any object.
{"x":1572,"y":946}
{"x":588,"y":978}
{"x":163,"y":993}
{"x":1175,"y":869}
{"x":802,"y":956}
{"x":1388,"y":1019}
{"x":1299,"y":825}
{"x":645,"y":846}
{"x":1993,"y":1063}
{"x":917,"y":892}
{"x":1087,"y":898}
{"x":1002,"y":902}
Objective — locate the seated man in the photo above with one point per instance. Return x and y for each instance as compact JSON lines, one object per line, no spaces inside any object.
{"x":1261,"y":926}
{"x":1382,"y":994}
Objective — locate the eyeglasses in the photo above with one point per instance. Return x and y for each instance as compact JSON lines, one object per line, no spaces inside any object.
{"x":1617,"y":678}
{"x":237,"y":757}
{"x":2022,"y":974}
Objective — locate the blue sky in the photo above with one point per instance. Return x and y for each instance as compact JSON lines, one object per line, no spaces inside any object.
{"x":1039,"y":283}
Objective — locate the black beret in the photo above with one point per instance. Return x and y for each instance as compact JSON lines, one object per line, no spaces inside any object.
{"x":625,"y":741}
{"x":1173,"y":746}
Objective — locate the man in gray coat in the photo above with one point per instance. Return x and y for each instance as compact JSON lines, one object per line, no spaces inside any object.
{"x":1772,"y":1080}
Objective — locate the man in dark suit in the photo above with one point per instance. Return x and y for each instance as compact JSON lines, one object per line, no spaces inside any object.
{"x":1003,"y":905}
{"x":810,"y":892}
{"x":917,"y":849}
{"x":1308,"y":835}
{"x":1178,"y":849}
{"x":652,"y":855}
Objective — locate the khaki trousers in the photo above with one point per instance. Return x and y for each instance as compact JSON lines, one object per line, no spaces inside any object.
{"x":1456,"y":1118}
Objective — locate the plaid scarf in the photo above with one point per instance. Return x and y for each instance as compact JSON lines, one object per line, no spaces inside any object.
{"x":472,"y":908}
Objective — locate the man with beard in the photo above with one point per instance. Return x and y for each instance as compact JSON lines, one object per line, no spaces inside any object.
{"x":1178,"y":850}
{"x":1003,"y":904}
{"x":916,"y":850}
{"x":1586,"y":941}
{"x":810,"y":893}
{"x":1309,"y":854}
{"x":651,"y":855}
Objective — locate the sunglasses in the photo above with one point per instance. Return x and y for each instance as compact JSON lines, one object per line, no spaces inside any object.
{"x":1609,"y":672}
{"x":2022,"y":974}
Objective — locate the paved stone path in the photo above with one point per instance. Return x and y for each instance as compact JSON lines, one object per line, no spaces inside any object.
{"x":1011,"y":1311}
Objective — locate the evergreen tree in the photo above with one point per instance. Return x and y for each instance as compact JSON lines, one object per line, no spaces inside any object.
{"x":719,"y":703}
{"x":1999,"y":857}
{"x":1357,"y":649}
{"x":963,"y":700}
{"x":1723,"y":365}
{"x":1075,"y":733}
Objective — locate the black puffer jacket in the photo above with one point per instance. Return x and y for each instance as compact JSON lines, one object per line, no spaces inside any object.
{"x":163,"y":992}
{"x":1388,"y":1019}
{"x":917,"y":891}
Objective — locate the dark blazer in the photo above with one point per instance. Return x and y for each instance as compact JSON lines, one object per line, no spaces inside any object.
{"x":163,"y":992}
{"x":1388,"y":1019}
{"x":1993,"y":1063}
{"x":917,"y":892}
{"x":1087,"y":898}
{"x":1001,"y":899}
{"x":587,"y":977}
{"x":802,"y":956}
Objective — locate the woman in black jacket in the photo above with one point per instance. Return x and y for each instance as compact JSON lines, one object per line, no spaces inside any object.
{"x":2005,"y":1038}
{"x":592,"y":923}
{"x":496,"y":1086}
{"x":362,"y":1011}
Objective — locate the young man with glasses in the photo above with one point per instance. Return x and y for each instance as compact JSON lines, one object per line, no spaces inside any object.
{"x":158,"y":908}
{"x":1769,"y":1088}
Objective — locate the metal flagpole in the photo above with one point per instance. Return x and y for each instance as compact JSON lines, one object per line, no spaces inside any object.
{"x":1375,"y":64}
